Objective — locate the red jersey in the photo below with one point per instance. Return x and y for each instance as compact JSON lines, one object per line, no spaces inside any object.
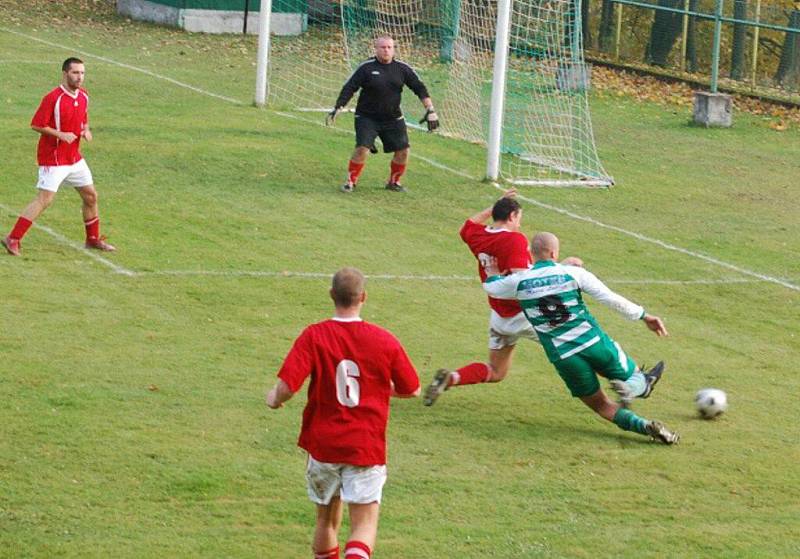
{"x":66,"y":112}
{"x":510,"y":248}
{"x":352,"y":364}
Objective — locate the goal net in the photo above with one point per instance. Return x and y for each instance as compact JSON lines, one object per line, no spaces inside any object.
{"x":545,"y":129}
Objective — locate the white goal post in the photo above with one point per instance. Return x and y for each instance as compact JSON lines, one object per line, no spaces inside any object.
{"x":507,"y":74}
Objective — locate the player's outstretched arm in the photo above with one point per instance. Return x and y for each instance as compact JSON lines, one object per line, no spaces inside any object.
{"x":655,"y":324}
{"x":590,"y":284}
{"x":572,"y":261}
{"x":482,"y":216}
{"x":279,"y":394}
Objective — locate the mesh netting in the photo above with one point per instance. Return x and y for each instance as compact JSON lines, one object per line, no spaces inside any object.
{"x":547,"y":135}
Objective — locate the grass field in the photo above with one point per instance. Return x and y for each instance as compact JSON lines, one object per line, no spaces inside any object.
{"x":131,"y":388}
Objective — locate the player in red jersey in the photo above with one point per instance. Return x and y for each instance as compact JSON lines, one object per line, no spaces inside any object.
{"x":503,"y":241}
{"x":62,"y":120}
{"x":354,"y":367}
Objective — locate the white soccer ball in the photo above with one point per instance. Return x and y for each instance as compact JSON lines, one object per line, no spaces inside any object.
{"x":711,"y":402}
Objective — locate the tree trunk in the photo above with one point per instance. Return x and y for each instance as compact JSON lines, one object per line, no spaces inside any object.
{"x":691,"y":39}
{"x":788,"y":74}
{"x":606,"y":31}
{"x":739,"y":38}
{"x":585,"y":28}
{"x":665,"y":30}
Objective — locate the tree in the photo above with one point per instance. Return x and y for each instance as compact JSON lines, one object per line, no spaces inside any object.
{"x":606,"y":31}
{"x":739,"y":38}
{"x":691,"y":38}
{"x":665,"y":30}
{"x":788,"y":73}
{"x":587,"y":31}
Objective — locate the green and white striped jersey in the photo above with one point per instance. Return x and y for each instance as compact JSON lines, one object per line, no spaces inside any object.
{"x":550,"y":296}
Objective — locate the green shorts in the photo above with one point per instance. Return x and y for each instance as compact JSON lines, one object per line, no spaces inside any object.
{"x":605,"y":358}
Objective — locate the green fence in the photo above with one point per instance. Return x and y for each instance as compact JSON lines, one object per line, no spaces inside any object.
{"x":750,"y":45}
{"x":284,"y":6}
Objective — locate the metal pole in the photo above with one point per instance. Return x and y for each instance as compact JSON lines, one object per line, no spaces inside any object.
{"x":498,"y":89}
{"x":246,"y":13}
{"x":754,"y":61}
{"x":685,"y":39}
{"x":264,"y":12}
{"x":619,"y":32}
{"x":715,"y":53}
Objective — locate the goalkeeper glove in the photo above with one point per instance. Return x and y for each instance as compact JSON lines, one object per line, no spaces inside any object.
{"x":331,"y":118}
{"x":431,"y":119}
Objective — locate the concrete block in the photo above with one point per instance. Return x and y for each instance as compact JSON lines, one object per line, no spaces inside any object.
{"x":713,"y":109}
{"x":574,"y":76}
{"x":142,"y":10}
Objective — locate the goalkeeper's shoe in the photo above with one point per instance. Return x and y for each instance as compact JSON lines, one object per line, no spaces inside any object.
{"x":652,"y":377}
{"x":348,"y":187}
{"x":440,"y":383}
{"x":659,"y":432}
{"x":12,"y":246}
{"x":395,"y":186}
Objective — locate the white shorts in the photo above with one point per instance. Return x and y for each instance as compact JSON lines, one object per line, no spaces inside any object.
{"x":77,"y":175}
{"x":353,"y":484}
{"x":504,"y":332}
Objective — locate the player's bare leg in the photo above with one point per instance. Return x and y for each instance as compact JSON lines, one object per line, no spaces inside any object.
{"x":354,"y":167}
{"x":500,"y":363}
{"x":91,"y":219}
{"x":627,"y":420}
{"x":363,"y":528}
{"x":397,"y":168}
{"x":474,"y":373}
{"x":329,"y":520}
{"x":39,"y":204}
{"x":602,"y":405}
{"x":88,"y":196}
{"x":33,"y":210}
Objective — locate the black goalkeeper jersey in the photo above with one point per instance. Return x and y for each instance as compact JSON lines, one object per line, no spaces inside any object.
{"x":381,"y":85}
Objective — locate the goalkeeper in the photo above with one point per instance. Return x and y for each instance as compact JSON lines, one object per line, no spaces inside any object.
{"x":381,"y":80}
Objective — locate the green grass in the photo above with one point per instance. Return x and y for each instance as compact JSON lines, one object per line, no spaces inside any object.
{"x":132,"y":414}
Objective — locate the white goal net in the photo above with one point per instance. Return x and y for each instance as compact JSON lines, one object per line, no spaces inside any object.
{"x":545,"y":129}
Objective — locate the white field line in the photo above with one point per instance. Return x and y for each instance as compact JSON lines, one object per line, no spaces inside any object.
{"x":123,"y":65}
{"x":662,"y":244}
{"x":42,"y":62}
{"x":415,"y":277}
{"x":88,"y":252}
{"x":644,"y":238}
{"x":430,"y":162}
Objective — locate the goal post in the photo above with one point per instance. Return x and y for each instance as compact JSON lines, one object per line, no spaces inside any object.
{"x":262,"y":59}
{"x":507,"y":74}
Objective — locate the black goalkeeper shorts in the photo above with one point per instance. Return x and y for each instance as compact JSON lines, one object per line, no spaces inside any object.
{"x":393,"y":133}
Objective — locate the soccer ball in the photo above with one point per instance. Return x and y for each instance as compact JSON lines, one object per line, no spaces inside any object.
{"x":711,"y":402}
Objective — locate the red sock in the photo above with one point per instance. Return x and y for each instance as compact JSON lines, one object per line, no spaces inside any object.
{"x":357,"y":550}
{"x":92,"y":228}
{"x":354,"y":171}
{"x":20,"y":228}
{"x":474,"y":373}
{"x":397,"y":172}
{"x":332,"y":553}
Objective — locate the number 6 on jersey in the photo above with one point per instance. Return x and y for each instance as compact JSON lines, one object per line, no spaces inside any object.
{"x":348,"y":392}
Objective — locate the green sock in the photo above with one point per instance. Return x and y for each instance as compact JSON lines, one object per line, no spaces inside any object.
{"x":629,"y":421}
